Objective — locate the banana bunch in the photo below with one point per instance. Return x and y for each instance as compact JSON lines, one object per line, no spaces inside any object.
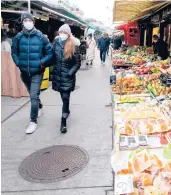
{"x":127,"y":98}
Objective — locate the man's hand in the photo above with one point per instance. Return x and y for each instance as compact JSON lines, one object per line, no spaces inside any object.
{"x":42,"y":67}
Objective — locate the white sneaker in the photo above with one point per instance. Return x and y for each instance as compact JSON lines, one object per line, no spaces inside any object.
{"x":31,"y":128}
{"x":39,"y":113}
{"x":101,"y":63}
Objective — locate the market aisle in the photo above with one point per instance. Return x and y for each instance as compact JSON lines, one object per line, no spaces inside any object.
{"x":88,"y":127}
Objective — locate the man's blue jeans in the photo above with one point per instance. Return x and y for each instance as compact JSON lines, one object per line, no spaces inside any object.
{"x":103,"y":55}
{"x":33,"y":84}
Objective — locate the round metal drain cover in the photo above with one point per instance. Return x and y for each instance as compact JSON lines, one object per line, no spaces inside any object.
{"x":53,"y":164}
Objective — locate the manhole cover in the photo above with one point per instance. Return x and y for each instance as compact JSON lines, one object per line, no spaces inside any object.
{"x":53,"y":164}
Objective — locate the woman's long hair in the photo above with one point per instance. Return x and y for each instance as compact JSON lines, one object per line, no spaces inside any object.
{"x":69,"y":48}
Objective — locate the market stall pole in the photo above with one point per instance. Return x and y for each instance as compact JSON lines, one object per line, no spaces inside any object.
{"x":29,"y":7}
{"x":10,"y":78}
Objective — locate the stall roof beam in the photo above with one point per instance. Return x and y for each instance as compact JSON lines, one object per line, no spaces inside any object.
{"x":12,"y":11}
{"x":59,"y":14}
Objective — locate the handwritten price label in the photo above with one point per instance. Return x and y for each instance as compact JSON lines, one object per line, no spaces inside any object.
{"x":124,"y":184}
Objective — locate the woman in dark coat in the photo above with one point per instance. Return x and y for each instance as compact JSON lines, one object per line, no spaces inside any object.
{"x":67,"y":63}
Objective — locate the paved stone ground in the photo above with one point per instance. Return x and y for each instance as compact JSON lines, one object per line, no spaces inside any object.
{"x":88,"y":127}
{"x":11,"y":105}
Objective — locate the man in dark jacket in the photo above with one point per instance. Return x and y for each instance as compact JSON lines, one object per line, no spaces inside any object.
{"x":103,"y":45}
{"x":31,"y":52}
{"x":117,"y":42}
{"x":160,"y":47}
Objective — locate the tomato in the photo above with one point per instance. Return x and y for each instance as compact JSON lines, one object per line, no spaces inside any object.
{"x":163,"y":140}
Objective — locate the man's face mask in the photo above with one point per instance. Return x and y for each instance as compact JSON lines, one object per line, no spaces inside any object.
{"x":28,"y":25}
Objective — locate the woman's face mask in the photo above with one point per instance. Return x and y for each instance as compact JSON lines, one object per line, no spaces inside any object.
{"x":28,"y":25}
{"x":63,"y":36}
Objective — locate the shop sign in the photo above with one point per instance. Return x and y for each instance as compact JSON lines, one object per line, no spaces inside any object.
{"x":166,"y":13}
{"x":155,"y":18}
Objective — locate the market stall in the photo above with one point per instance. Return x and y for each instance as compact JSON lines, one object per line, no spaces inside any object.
{"x":141,"y":102}
{"x":143,"y":19}
{"x":11,"y":84}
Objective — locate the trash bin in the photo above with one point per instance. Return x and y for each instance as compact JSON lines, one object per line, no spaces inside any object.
{"x":45,"y":82}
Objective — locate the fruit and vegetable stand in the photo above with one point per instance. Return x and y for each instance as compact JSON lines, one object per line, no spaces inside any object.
{"x":141,"y":103}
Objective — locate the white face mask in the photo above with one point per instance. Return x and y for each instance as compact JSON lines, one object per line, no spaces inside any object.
{"x":63,"y":36}
{"x":28,"y":25}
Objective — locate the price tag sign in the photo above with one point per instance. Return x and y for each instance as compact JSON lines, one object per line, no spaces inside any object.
{"x":124,"y":184}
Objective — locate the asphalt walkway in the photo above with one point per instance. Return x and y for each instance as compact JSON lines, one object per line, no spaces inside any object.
{"x":88,"y":127}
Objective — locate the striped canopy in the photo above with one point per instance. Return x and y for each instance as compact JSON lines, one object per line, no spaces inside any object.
{"x":131,"y":10}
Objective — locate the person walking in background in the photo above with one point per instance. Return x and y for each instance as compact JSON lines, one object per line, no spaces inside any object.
{"x":108,"y":43}
{"x":31,"y":52}
{"x":96,"y":39}
{"x":117,"y":42}
{"x":6,"y":42}
{"x":67,"y":63}
{"x":83,"y":49}
{"x":91,"y":45}
{"x":160,"y":48}
{"x":102,"y":46}
{"x":76,"y":40}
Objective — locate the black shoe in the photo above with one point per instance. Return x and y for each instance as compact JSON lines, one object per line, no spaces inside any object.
{"x":40,"y":105}
{"x":63,"y":129}
{"x":87,"y":64}
{"x":91,"y":63}
{"x":63,"y":126}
